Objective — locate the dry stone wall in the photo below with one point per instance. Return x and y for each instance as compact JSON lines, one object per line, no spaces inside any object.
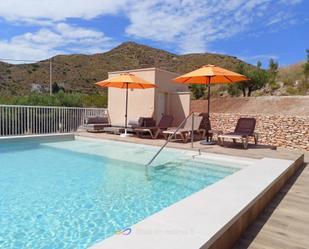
{"x":276,"y":130}
{"x":284,"y":130}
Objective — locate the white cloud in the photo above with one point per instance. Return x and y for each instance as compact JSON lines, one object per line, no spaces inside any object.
{"x":59,"y":39}
{"x":57,"y":10}
{"x":185,"y":23}
{"x":193,"y":24}
{"x":188,"y":25}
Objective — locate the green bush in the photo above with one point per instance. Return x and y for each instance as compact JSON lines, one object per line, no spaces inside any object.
{"x":292,"y":91}
{"x":197,"y":90}
{"x":303,"y":87}
{"x":233,"y":90}
{"x":274,"y":86}
{"x":59,"y":99}
{"x":288,"y":82}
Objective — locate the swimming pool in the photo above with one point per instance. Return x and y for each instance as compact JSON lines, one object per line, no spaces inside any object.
{"x":73,"y":194}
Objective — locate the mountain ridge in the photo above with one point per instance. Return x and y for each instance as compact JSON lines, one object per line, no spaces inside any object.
{"x":79,"y":72}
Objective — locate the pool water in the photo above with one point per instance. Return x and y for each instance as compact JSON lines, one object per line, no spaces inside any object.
{"x":73,"y":194}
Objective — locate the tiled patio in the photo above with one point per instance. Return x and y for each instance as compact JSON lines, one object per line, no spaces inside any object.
{"x":284,"y":223}
{"x":229,"y":148}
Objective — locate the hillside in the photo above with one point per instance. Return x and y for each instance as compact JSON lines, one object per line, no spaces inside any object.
{"x":80,"y":72}
{"x":290,"y":81}
{"x":267,"y":105}
{"x":291,"y":73}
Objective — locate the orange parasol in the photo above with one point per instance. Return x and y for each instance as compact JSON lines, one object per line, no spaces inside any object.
{"x":210,"y":74}
{"x":126,"y":81}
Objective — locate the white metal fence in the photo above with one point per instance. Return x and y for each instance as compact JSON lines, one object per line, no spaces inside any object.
{"x":28,"y":120}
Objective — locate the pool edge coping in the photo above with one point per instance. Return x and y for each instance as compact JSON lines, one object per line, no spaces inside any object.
{"x":223,"y":233}
{"x":38,"y":137}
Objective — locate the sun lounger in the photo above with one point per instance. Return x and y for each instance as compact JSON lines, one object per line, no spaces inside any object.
{"x":141,"y":122}
{"x":185,"y":131}
{"x":114,"y":130}
{"x":243,"y":130}
{"x":155,"y":131}
{"x":133,"y":124}
{"x":96,"y":123}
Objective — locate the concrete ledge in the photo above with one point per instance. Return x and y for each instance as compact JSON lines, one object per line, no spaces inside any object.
{"x":54,"y":137}
{"x":214,"y":217}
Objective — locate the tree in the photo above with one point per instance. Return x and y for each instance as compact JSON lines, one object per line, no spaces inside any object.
{"x":306,"y":67}
{"x":242,"y":85}
{"x":56,"y":88}
{"x":259,"y":64}
{"x":198,"y":91}
{"x":272,"y":71}
{"x":258,"y":79}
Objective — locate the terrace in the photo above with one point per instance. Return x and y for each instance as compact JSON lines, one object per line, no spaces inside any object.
{"x":263,"y":216}
{"x":284,"y":223}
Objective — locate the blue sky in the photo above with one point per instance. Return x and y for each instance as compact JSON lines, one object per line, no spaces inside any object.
{"x":252,"y":30}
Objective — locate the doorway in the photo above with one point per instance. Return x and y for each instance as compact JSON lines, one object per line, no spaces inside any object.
{"x":161,"y":105}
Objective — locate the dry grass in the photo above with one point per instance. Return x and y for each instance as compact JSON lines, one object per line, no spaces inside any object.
{"x":80,"y":72}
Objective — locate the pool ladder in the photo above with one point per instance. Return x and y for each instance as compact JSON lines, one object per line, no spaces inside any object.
{"x":171,"y":136}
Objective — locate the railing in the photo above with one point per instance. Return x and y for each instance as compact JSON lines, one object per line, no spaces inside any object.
{"x":28,"y":120}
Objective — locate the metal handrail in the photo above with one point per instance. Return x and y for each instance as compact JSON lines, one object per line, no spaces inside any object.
{"x":170,"y":137}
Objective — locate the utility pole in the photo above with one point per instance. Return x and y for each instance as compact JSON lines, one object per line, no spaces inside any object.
{"x":50,"y":76}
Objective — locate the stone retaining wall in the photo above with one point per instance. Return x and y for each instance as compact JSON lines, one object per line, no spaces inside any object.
{"x":280,"y":131}
{"x":285,"y":125}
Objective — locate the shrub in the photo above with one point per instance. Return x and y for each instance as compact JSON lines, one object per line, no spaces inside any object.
{"x":59,"y":99}
{"x":198,"y":91}
{"x":291,"y":90}
{"x":303,"y":87}
{"x":233,"y":90}
{"x":288,"y":82}
{"x":274,"y":86}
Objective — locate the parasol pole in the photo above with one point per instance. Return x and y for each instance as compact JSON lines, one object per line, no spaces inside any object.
{"x":126,"y":116}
